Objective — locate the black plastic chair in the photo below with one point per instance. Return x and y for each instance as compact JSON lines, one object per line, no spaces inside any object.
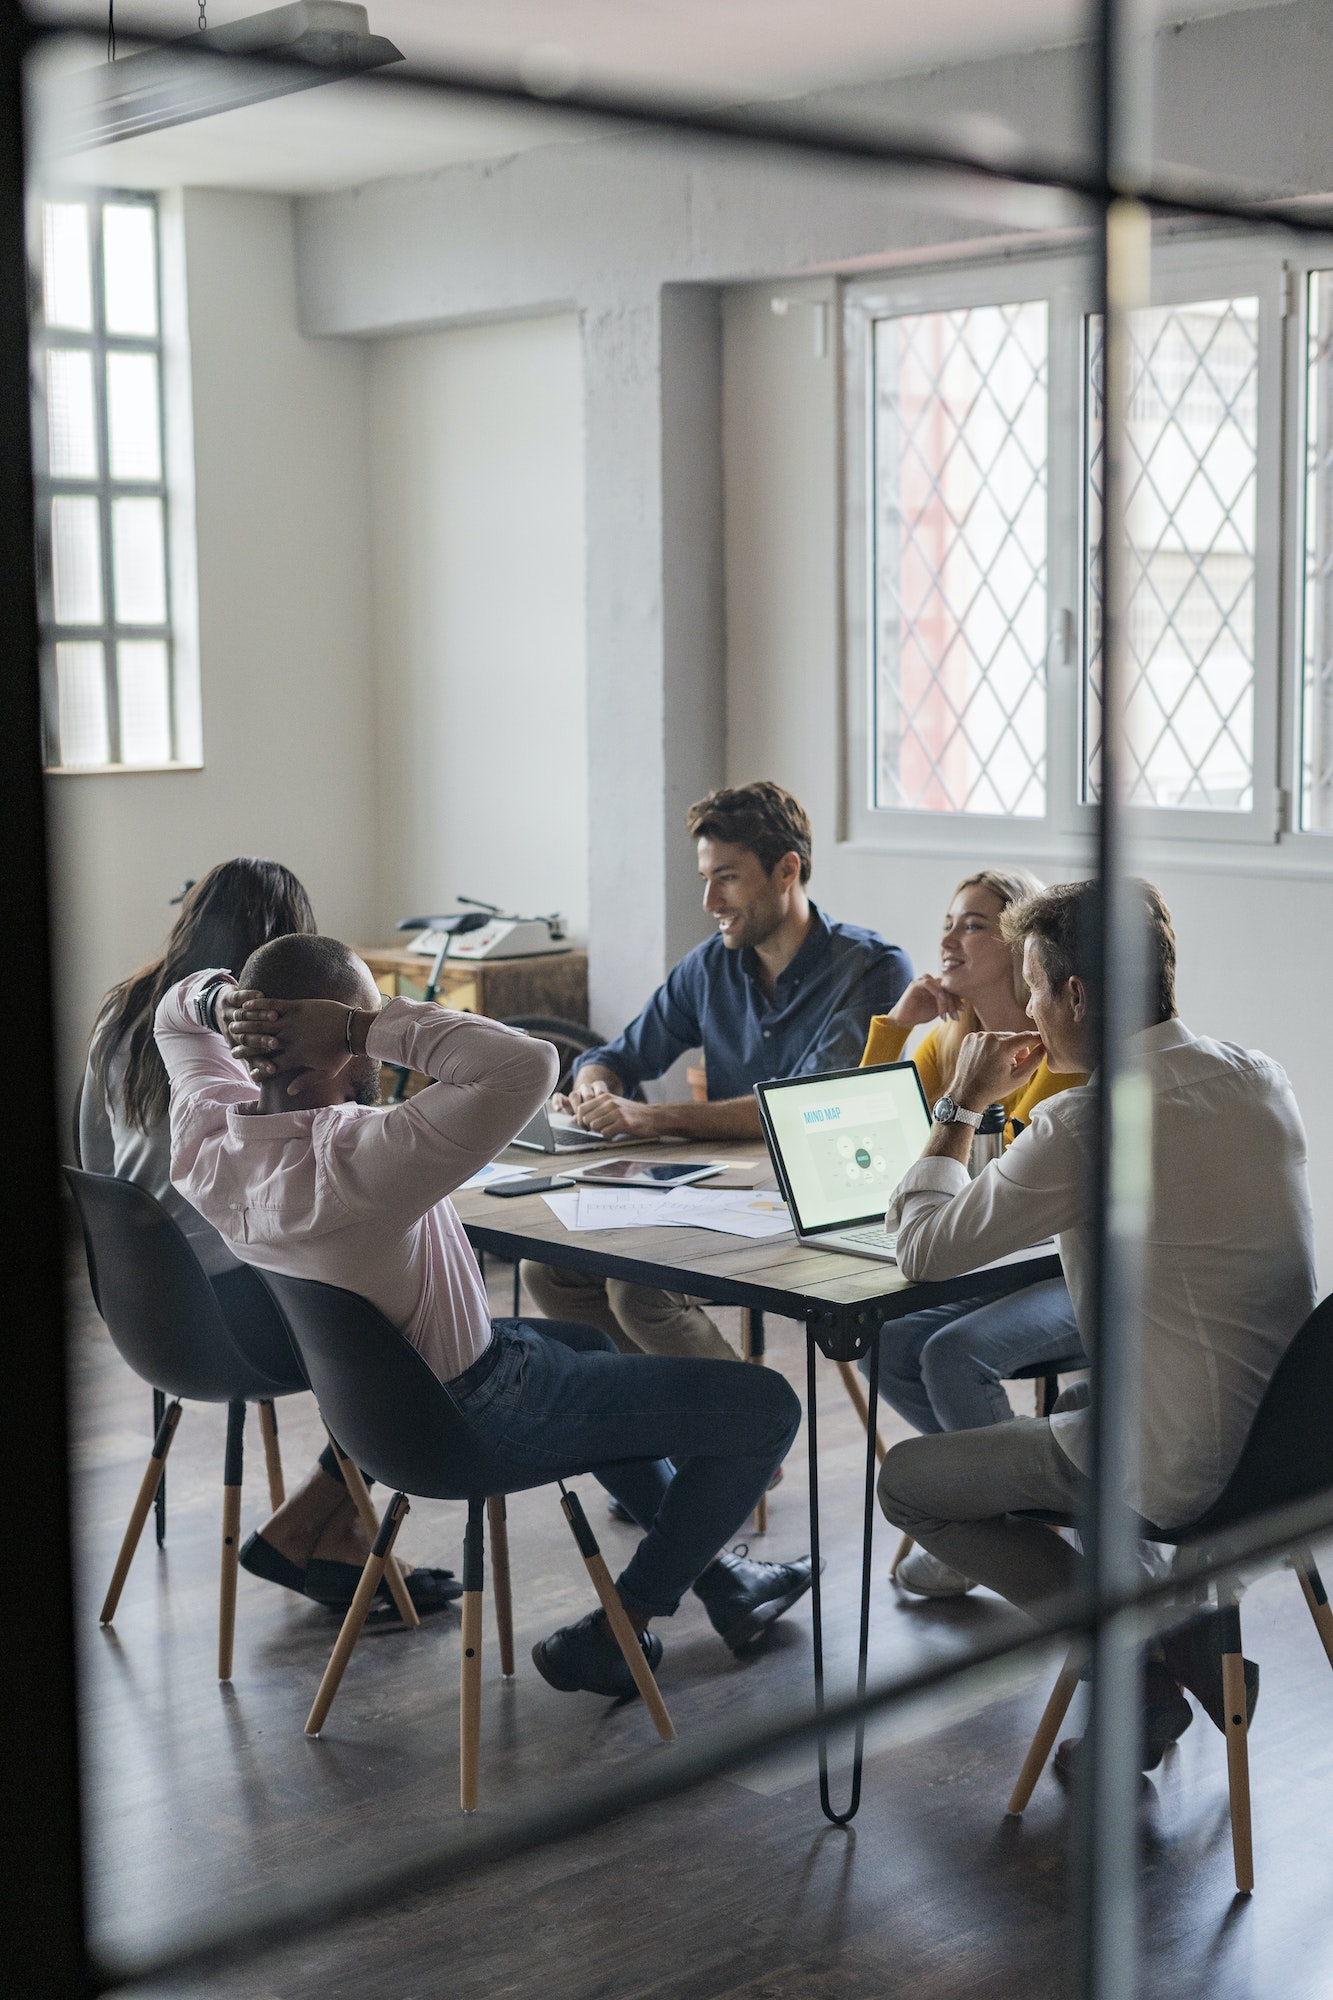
{"x":401,"y":1424}
{"x":1288,"y":1458}
{"x":170,"y":1326}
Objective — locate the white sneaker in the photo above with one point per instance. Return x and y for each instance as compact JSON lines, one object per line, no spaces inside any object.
{"x":926,"y":1576}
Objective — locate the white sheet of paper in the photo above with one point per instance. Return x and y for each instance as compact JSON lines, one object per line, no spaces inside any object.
{"x":564,"y":1206}
{"x":620,"y":1208}
{"x":734,"y":1211}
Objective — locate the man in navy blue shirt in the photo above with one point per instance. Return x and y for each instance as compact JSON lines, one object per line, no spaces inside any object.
{"x":780,"y":990}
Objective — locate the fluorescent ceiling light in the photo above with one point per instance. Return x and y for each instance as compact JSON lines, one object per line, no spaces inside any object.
{"x":288,"y":48}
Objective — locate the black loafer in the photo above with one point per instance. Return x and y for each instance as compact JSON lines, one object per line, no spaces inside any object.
{"x":260,"y":1558}
{"x":333,"y":1584}
{"x":743,"y":1598}
{"x":585,"y":1658}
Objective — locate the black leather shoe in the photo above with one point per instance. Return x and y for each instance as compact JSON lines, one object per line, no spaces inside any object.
{"x":1164,"y":1716}
{"x":333,"y":1584}
{"x":743,"y":1598}
{"x":1193,"y":1654}
{"x":585,"y":1658}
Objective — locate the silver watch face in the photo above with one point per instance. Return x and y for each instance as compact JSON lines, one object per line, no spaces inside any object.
{"x":946,"y":1111}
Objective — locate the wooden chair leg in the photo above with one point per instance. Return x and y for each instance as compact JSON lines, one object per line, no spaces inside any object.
{"x":752,"y":1349}
{"x":148,"y":1487}
{"x":1317,"y":1599}
{"x":625,"y":1636}
{"x":469,"y":1693}
{"x":385,"y":1534}
{"x":1238,"y":1753}
{"x":231,"y":1537}
{"x":905,"y":1547}
{"x":268,"y":1430}
{"x":370,"y":1521}
{"x":1054,"y":1713}
{"x":497,"y":1522}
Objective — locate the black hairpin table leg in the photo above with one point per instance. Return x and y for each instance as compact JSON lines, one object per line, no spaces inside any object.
{"x":160,"y":1500}
{"x":816,"y":1593}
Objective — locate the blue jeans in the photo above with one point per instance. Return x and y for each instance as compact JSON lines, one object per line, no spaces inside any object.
{"x":561,"y":1399}
{"x":944,"y":1368}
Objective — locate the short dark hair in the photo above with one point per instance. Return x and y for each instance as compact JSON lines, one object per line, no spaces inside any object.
{"x":761,"y":817}
{"x":302,"y":967}
{"x":1063,"y":922}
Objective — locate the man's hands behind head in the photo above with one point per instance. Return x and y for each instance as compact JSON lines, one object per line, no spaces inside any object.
{"x":277,"y":1037}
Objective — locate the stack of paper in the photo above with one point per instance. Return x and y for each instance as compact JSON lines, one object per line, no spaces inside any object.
{"x":733,"y":1211}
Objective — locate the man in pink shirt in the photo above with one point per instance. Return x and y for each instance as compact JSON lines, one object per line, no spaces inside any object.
{"x":318,"y":1180}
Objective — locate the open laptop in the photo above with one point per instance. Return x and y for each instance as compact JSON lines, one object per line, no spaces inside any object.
{"x":840,"y":1144}
{"x":555,"y":1132}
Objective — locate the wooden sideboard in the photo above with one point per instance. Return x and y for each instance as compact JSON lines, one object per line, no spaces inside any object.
{"x":553,"y":983}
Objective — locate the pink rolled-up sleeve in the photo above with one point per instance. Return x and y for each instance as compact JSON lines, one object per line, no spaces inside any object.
{"x":487,"y":1081}
{"x":199,"y":1062}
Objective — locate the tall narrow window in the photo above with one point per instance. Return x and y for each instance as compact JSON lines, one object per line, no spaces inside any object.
{"x":1316,"y":775}
{"x":960,"y":560}
{"x":101,"y":494}
{"x":1192,"y":454}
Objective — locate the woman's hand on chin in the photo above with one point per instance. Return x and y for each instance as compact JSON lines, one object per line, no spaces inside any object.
{"x":926,"y":999}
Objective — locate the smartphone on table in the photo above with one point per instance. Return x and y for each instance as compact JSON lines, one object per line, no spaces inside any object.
{"x":528,"y":1184}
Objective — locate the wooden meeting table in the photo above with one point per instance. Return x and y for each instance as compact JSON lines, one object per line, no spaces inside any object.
{"x":841,"y":1301}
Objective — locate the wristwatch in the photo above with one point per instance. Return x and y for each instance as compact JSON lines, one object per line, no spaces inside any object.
{"x":946,"y":1112}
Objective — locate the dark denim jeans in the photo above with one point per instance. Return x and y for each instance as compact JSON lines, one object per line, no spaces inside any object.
{"x":560,"y":1399}
{"x":944,"y":1368}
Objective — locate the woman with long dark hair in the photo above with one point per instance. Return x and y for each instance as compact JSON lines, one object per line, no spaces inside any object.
{"x":315,"y":1543}
{"x":123,"y":1126}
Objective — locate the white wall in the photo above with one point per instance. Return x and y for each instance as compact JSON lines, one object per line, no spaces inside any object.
{"x":284,"y":628}
{"x":1256,"y":951}
{"x":476,"y":451}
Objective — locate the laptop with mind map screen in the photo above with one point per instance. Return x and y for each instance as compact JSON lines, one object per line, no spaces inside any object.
{"x":840,"y":1144}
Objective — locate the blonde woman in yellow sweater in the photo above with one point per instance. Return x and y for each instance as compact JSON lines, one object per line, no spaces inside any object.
{"x":944,"y":1368}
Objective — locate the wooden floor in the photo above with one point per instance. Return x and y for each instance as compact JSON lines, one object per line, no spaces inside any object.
{"x":738,"y":1891}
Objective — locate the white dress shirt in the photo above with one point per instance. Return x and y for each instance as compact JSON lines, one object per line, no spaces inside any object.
{"x":1229,"y":1273}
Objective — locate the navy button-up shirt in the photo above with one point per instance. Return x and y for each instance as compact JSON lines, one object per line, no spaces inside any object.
{"x":817,"y":1019}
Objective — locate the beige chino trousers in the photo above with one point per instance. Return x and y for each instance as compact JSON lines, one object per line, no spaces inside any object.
{"x":638,"y":1318}
{"x":954,"y":1492}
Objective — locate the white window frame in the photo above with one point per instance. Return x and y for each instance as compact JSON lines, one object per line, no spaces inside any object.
{"x":182,"y":694}
{"x":1187,"y":265}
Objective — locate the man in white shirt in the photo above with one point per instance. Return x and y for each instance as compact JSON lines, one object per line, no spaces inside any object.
{"x":1228,"y":1265}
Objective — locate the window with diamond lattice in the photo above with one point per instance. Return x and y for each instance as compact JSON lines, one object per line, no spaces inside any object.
{"x":1192,"y":451}
{"x":960,"y":559}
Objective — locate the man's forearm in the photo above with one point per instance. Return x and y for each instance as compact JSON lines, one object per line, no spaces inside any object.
{"x":729,"y":1118}
{"x":949,"y":1142}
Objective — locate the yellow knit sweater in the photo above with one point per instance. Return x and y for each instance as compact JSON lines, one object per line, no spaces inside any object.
{"x":887,"y":1040}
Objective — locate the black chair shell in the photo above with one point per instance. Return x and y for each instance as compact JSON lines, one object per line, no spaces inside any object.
{"x":382,"y":1402}
{"x":1288,"y":1454}
{"x":155,"y":1298}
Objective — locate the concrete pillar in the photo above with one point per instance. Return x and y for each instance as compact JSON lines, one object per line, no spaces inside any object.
{"x":652,"y":382}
